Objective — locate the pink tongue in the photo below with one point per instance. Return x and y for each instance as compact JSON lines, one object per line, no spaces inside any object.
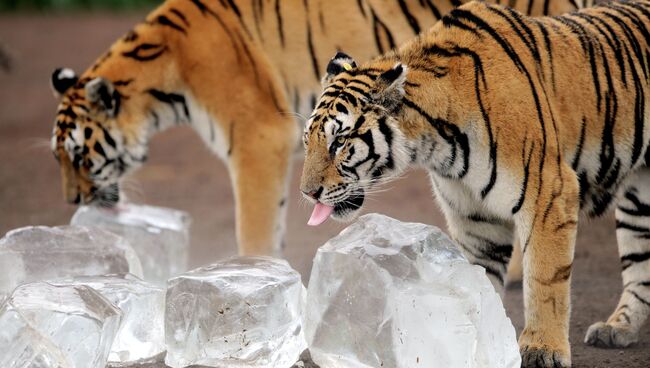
{"x":320,"y":214}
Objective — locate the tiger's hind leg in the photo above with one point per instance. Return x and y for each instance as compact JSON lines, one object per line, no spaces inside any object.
{"x":633,"y":238}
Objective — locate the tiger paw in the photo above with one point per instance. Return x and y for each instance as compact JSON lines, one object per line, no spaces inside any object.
{"x":608,"y":336}
{"x":539,"y":352}
{"x":543,"y":357}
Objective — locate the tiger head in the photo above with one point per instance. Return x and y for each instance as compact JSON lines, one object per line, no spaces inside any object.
{"x":86,"y":140}
{"x":352,"y":139}
{"x":105,"y":117}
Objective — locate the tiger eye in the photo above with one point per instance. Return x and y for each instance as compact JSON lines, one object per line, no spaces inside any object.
{"x":340,"y":140}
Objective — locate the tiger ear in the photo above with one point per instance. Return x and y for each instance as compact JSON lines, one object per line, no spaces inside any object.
{"x":102,"y":94}
{"x":389,"y":87}
{"x":62,"y":79}
{"x":338,"y":64}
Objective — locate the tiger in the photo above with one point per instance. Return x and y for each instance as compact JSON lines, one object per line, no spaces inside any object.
{"x":237,"y":72}
{"x":523,"y":125}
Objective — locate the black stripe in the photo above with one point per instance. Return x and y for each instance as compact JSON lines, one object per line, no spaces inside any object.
{"x":249,"y":56}
{"x":257,"y":17}
{"x":494,"y":251}
{"x":631,"y":227}
{"x":549,"y":50}
{"x":312,"y":51}
{"x":629,"y":259}
{"x":524,"y":186}
{"x":581,"y":143}
{"x":640,"y":208}
{"x":341,"y":108}
{"x":377,"y":26}
{"x":647,"y":303}
{"x":639,"y":25}
{"x":278,"y":17}
{"x":361,"y":8}
{"x":205,"y":10}
{"x":359,"y":123}
{"x":479,"y":217}
{"x":611,"y":38}
{"x":434,"y":9}
{"x":517,"y":25}
{"x":586,"y":42}
{"x":171,"y":99}
{"x":123,"y":82}
{"x":108,"y":138}
{"x":235,"y":9}
{"x":456,"y":139}
{"x":180,"y":15}
{"x":164,"y":21}
{"x":359,"y":91}
{"x":547,"y":3}
{"x":99,"y":149}
{"x":607,"y":150}
{"x":388,"y":136}
{"x":350,"y":98}
{"x":480,"y":261}
{"x":409,"y":17}
{"x":151,"y":52}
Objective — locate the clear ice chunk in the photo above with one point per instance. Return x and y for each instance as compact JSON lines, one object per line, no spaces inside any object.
{"x":242,"y":312}
{"x":48,"y":326}
{"x":385,"y":293}
{"x":142,"y":332}
{"x":160,"y":236}
{"x":39,"y":253}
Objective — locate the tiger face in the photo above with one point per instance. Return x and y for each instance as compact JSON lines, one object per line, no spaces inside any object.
{"x":92,"y":152}
{"x":352,"y":139}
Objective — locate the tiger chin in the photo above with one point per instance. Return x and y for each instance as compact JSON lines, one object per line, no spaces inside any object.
{"x":523,"y":125}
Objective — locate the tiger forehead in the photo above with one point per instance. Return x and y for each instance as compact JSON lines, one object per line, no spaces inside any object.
{"x":71,"y":114}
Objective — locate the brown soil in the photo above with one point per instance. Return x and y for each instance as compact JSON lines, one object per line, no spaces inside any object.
{"x":182,"y":174}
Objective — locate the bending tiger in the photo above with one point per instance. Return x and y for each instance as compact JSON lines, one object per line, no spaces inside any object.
{"x":232,"y":70}
{"x":522,"y":123}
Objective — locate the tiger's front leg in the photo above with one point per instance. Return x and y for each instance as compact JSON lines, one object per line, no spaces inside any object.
{"x":260,"y":169}
{"x":485,"y":240}
{"x":547,"y":225}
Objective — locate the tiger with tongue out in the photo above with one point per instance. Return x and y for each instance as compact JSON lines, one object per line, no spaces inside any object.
{"x":522,"y":123}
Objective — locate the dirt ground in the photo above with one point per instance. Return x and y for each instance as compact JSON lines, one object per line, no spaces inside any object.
{"x":182,"y":174}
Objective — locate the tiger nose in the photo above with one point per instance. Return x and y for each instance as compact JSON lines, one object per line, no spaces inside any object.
{"x":315,"y":194}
